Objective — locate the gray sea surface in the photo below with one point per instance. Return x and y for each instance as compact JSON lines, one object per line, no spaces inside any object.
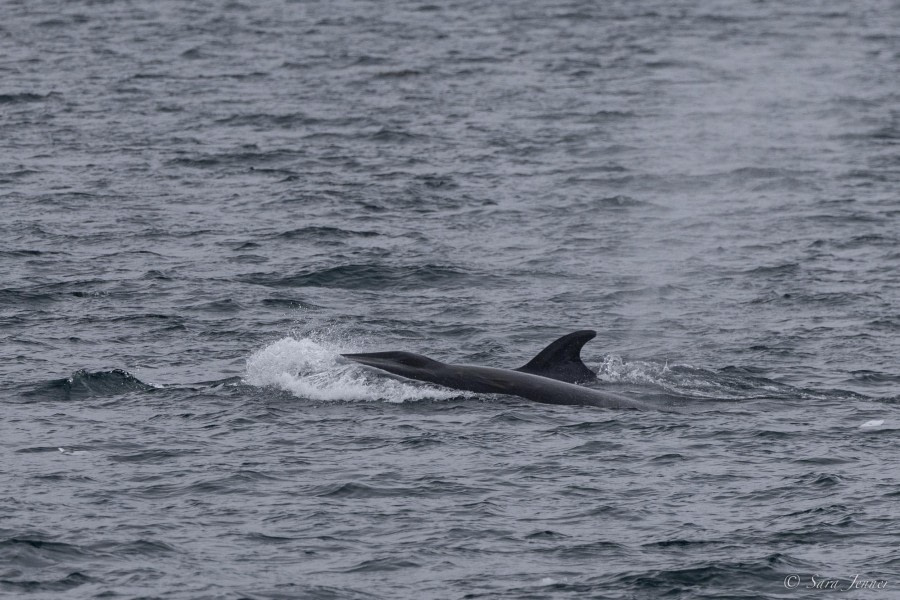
{"x":202,"y":204}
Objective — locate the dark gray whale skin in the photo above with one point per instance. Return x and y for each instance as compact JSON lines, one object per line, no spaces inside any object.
{"x":560,"y":361}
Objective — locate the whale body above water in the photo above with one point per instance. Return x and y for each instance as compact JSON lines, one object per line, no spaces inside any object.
{"x":551,"y":377}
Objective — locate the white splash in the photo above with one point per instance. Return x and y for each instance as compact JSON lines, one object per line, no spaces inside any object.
{"x":614,"y":369}
{"x":73,"y":452}
{"x":314,"y":370}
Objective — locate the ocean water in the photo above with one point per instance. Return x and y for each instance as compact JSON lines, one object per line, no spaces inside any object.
{"x":203,"y":204}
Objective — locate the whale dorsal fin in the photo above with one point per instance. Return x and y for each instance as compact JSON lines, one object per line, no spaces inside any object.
{"x":562,"y":359}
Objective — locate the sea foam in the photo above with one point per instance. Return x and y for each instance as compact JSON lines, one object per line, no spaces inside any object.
{"x":314,"y":369}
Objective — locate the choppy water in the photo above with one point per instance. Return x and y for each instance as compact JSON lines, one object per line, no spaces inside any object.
{"x":204,"y":203}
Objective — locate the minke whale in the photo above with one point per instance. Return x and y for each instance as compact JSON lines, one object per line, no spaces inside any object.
{"x":551,"y":377}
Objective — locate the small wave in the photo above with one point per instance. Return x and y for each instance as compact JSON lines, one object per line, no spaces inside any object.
{"x":383,"y":564}
{"x":546,"y":534}
{"x":663,"y":292}
{"x":72,"y":580}
{"x":364,"y":276}
{"x":444,"y":182}
{"x":245,"y":159}
{"x":46,"y":548}
{"x":317,"y":232}
{"x":398,"y":74}
{"x":620,"y":201}
{"x":688,"y":382}
{"x":148,"y":318}
{"x":360,"y":490}
{"x":314,"y":371}
{"x":223,"y":305}
{"x":395,"y":136}
{"x":22,"y":98}
{"x":869,"y":376}
{"x":717,"y":577}
{"x":266,"y":120}
{"x":19,"y":297}
{"x":156,"y":456}
{"x":89,"y":384}
{"x":25,"y":253}
{"x":289,"y":303}
{"x":782,"y":270}
{"x":139,"y":547}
